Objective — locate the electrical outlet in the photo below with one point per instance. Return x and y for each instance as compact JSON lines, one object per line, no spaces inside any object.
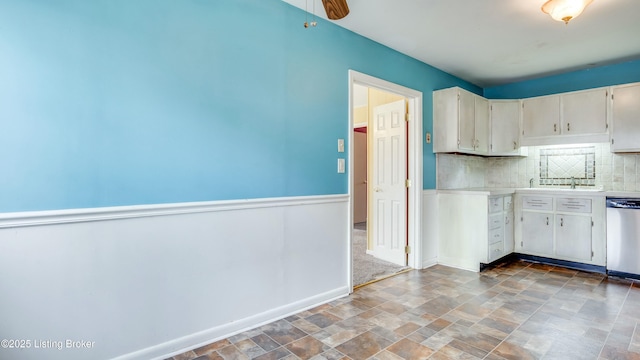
{"x":428,"y":138}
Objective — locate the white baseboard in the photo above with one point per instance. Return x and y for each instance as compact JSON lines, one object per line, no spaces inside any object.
{"x":194,"y":341}
{"x":429,"y":263}
{"x":458,"y":264}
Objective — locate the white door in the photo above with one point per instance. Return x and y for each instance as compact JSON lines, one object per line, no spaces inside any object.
{"x":626,"y":110}
{"x":466,"y":128}
{"x":573,"y":237}
{"x":389,"y":195}
{"x":541,"y":116}
{"x":584,"y":112}
{"x":505,"y":126}
{"x":537,"y":233}
{"x":481,"y":124}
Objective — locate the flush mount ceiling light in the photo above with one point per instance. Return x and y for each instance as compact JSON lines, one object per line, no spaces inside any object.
{"x":565,"y":10}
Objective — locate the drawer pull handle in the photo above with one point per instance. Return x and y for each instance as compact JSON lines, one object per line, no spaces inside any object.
{"x":547,"y":220}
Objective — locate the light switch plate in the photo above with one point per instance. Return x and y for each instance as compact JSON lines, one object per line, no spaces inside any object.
{"x":340,"y":166}
{"x":340,"y":145}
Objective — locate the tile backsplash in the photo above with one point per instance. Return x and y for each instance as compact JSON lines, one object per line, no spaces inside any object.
{"x":565,"y":166}
{"x":592,"y":165}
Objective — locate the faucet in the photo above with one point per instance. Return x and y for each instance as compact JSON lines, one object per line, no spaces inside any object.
{"x":531,"y":182}
{"x":573,"y":182}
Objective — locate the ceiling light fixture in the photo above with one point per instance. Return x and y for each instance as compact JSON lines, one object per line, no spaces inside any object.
{"x":565,"y":10}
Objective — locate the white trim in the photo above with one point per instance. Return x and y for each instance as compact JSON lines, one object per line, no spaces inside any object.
{"x":51,"y":217}
{"x":429,"y":263}
{"x":205,"y":337}
{"x":415,"y":160}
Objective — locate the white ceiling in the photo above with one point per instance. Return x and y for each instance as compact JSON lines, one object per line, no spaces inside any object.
{"x":494,"y":42}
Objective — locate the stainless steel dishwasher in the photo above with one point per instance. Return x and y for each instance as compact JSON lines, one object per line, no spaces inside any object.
{"x":623,"y":237}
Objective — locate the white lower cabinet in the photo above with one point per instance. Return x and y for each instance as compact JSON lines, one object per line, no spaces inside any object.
{"x":537,"y":233}
{"x":500,"y":236}
{"x":561,"y":227}
{"x":474,"y":229}
{"x":573,"y":237}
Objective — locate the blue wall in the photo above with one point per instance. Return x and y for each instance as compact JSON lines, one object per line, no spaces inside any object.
{"x":622,"y":73}
{"x":119,"y":102}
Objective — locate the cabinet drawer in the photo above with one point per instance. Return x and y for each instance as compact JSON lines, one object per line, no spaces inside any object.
{"x":495,"y":204}
{"x":495,"y":221}
{"x":537,"y":203}
{"x":495,"y":251}
{"x":573,"y":205}
{"x":496,"y":235}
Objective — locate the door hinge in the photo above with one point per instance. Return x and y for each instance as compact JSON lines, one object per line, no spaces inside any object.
{"x":407,"y":249}
{"x":591,"y":254}
{"x":406,"y":117}
{"x":407,"y":183}
{"x":521,"y":244}
{"x":591,"y":223}
{"x":521,"y":219}
{"x":611,"y":141}
{"x":611,"y":96}
{"x":606,"y":126}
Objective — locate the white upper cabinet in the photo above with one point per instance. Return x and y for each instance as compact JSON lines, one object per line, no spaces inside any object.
{"x":461,"y":122}
{"x":625,"y":122}
{"x":505,"y":128}
{"x":540,"y":117}
{"x":567,"y":118}
{"x":466,"y":121}
{"x":585,"y":113}
{"x":482,"y":132}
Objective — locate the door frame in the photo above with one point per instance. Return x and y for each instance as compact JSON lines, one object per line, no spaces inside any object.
{"x":414,"y":162}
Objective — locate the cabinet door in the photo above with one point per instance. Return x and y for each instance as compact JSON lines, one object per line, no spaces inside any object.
{"x":584,"y":112}
{"x":482,"y":124}
{"x":508,"y":232}
{"x":505,"y":126}
{"x":541,"y":116}
{"x":466,"y":121}
{"x":573,"y":237}
{"x":626,"y":118}
{"x":537,"y":233}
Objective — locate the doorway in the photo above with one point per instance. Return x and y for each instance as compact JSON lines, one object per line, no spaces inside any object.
{"x":380,"y":115}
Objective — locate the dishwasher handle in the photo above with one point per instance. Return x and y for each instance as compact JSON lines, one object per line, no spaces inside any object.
{"x":623,"y":203}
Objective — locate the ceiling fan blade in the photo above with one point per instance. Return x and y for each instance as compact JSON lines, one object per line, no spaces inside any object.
{"x":336,"y":9}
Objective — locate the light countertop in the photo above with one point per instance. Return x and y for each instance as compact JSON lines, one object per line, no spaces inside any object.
{"x":552,"y":191}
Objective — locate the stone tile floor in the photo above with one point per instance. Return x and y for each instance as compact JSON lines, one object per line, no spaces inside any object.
{"x":519,"y":310}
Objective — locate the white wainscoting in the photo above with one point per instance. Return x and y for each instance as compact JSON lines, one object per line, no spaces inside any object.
{"x":429,"y":228}
{"x":148,"y":282}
